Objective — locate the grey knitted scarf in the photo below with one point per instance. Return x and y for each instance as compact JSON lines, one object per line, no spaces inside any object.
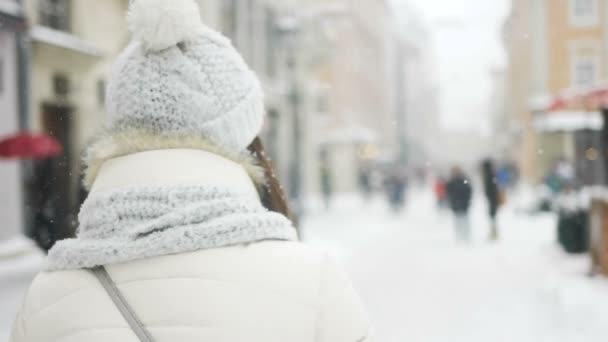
{"x":142,"y":222}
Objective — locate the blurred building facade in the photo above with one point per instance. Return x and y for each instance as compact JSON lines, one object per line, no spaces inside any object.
{"x":73,"y":45}
{"x":417,"y":91}
{"x":553,"y":45}
{"x":367,"y":110}
{"x":359,"y":121}
{"x":12,"y":28}
{"x":329,"y":70}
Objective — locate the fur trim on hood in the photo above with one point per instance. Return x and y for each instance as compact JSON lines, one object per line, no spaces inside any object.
{"x":109,"y":146}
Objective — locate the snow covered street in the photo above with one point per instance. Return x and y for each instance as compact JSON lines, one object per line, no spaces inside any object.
{"x":19,"y":263}
{"x":421,"y":285}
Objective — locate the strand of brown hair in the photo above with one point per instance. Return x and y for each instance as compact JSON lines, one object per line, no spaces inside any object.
{"x":272,"y":194}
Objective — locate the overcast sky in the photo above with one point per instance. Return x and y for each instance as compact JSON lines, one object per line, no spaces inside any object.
{"x":467,"y":46}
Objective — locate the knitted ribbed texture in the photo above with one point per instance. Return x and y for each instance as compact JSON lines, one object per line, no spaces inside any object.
{"x":198,"y":86}
{"x":137,"y":223}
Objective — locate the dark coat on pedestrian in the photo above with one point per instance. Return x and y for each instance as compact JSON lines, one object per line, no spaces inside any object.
{"x":459,"y":193}
{"x":490,"y":188}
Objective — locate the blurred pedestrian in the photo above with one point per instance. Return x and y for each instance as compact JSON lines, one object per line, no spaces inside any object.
{"x":365,"y":182}
{"x":395,"y":185}
{"x":459,"y":193}
{"x":492,"y":194}
{"x":326,"y":185}
{"x":504,"y":178}
{"x":181,"y":237}
{"x":440,"y":193}
{"x":553,"y":182}
{"x":565,"y":170}
{"x":559,"y":175}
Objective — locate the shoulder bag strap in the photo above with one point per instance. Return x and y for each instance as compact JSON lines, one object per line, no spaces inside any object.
{"x":121,"y":303}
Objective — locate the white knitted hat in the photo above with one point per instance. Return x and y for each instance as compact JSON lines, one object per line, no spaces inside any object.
{"x":181,"y":78}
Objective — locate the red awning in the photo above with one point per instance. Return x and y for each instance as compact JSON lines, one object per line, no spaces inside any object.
{"x":583,"y":98}
{"x":27,"y":145}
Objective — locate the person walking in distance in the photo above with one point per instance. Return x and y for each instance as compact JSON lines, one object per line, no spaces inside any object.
{"x":440,"y":193}
{"x":185,"y":233}
{"x":326,"y":185}
{"x":492,"y":193}
{"x":326,"y":178}
{"x":395,"y":185}
{"x":459,"y":192}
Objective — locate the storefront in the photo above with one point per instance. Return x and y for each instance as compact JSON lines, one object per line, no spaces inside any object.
{"x":591,"y":160}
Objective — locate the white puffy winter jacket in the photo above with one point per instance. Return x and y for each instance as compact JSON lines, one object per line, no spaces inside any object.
{"x":271,"y":291}
{"x":268,"y":291}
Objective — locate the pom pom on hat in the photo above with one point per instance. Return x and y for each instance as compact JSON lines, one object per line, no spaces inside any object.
{"x":160,"y":24}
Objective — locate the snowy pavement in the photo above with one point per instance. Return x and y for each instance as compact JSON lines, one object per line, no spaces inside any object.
{"x":419,"y":284}
{"x":19,"y":263}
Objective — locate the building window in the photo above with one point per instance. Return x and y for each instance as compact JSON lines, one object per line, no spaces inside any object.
{"x":585,"y":70}
{"x":583,"y":13}
{"x":61,"y":85}
{"x":55,"y":14}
